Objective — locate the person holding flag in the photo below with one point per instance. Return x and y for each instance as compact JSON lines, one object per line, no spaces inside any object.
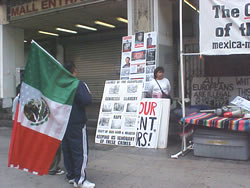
{"x":43,"y":112}
{"x":75,"y":143}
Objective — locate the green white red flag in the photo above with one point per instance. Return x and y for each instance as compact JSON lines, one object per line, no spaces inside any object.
{"x":43,"y":111}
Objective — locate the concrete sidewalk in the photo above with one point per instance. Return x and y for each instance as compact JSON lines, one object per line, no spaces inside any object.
{"x":127,"y":167}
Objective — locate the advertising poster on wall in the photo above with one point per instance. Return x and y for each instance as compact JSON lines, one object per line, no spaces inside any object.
{"x":139,"y":62}
{"x":149,"y":123}
{"x":118,"y":112}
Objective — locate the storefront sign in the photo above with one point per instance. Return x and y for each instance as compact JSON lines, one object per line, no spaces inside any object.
{"x":219,"y":91}
{"x":119,"y":112}
{"x":224,"y":27}
{"x":32,"y":7}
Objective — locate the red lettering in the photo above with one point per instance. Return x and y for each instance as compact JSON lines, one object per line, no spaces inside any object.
{"x":153,"y":106}
{"x":22,"y":10}
{"x":68,"y":1}
{"x":52,"y":3}
{"x":34,"y":7}
{"x":15,"y":11}
{"x":44,"y":4}
{"x":148,"y":108}
{"x":141,"y":104}
{"x":60,"y":2}
{"x":28,"y":9}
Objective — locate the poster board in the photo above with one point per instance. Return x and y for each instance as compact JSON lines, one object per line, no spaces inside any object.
{"x":138,"y":57}
{"x":118,"y":112}
{"x":224,"y":27}
{"x":152,"y":127}
{"x":144,"y":126}
{"x":219,"y":91}
{"x":164,"y":125}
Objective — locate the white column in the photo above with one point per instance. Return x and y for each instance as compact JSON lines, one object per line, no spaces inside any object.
{"x":163,"y":24}
{"x":140,"y":16}
{"x":11,"y":57}
{"x":155,"y":15}
{"x":3,"y":14}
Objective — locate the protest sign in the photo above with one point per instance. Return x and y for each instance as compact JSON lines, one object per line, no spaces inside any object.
{"x":224,"y":27}
{"x":138,"y":57}
{"x":219,"y":91}
{"x":148,"y":123}
{"x":118,"y":112}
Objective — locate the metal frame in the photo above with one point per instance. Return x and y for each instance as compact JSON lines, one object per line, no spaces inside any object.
{"x":184,"y":148}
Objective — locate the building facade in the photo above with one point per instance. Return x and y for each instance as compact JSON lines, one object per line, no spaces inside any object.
{"x":95,"y":49}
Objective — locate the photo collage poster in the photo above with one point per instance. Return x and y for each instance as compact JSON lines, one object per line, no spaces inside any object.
{"x":117,"y":120}
{"x":138,"y":57}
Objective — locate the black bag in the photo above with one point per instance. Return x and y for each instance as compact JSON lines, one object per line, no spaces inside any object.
{"x":164,"y":95}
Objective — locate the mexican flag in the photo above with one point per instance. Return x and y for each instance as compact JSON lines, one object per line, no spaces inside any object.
{"x":43,"y":111}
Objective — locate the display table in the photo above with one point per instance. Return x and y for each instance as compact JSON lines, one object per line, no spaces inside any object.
{"x":211,"y":120}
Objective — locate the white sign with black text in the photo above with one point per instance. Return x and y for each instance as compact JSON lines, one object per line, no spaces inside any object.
{"x":153,"y":122}
{"x":118,"y":112}
{"x":224,"y":27}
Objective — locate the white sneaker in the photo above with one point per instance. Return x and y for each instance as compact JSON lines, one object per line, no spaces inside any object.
{"x":75,"y":185}
{"x":71,"y":181}
{"x":86,"y":184}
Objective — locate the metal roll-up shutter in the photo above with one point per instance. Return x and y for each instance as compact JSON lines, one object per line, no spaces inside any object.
{"x":96,"y":61}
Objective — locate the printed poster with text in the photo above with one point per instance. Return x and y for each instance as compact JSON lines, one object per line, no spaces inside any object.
{"x":219,"y":91}
{"x":118,"y":112}
{"x":138,"y":57}
{"x":148,"y":123}
{"x":224,"y":27}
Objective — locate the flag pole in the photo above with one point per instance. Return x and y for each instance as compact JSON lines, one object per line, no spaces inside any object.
{"x":32,"y":41}
{"x":181,"y":58}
